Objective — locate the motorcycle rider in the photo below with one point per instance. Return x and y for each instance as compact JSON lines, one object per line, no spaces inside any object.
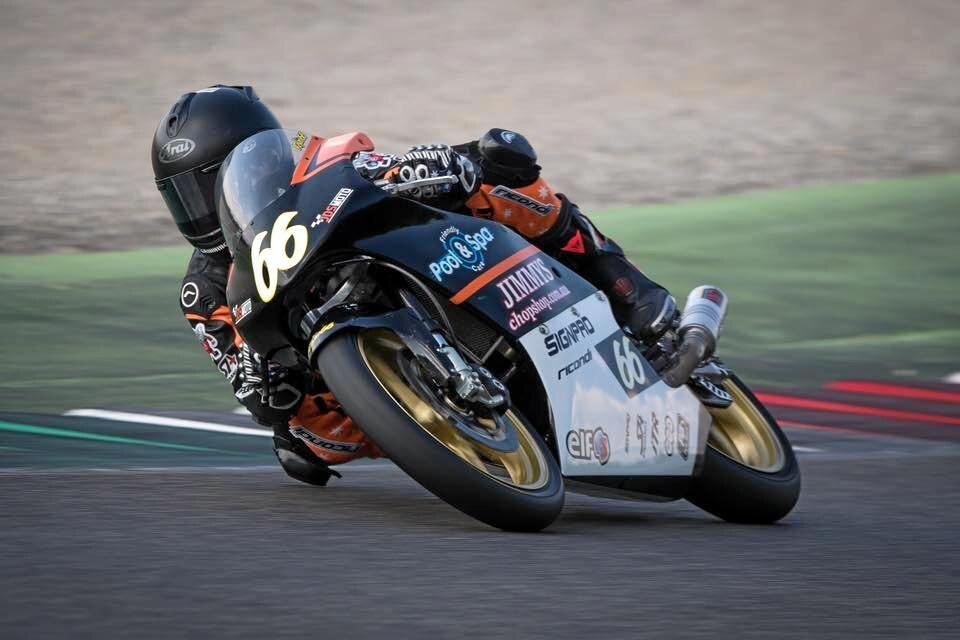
{"x":499,"y":179}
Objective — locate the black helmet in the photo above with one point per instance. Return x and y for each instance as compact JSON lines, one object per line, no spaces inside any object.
{"x":191,"y":142}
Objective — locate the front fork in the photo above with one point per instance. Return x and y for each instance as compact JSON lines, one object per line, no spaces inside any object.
{"x":468,"y":384}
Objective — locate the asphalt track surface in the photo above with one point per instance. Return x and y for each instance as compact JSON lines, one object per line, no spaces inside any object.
{"x":109,"y":531}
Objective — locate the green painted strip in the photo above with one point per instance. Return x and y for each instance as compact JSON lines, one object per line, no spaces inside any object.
{"x":99,"y":437}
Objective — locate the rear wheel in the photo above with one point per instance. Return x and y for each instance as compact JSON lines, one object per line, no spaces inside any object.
{"x":750,"y":473}
{"x":494,"y":467}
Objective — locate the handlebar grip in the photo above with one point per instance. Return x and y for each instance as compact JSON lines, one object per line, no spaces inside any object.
{"x":394,"y":188}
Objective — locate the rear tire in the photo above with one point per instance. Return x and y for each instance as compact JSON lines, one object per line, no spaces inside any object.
{"x":750,"y":474}
{"x":351,"y":368}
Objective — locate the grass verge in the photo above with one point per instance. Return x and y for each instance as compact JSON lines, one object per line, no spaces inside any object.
{"x":825,"y":282}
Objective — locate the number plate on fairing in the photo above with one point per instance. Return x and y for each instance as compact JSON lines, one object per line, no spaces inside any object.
{"x":612,"y":413}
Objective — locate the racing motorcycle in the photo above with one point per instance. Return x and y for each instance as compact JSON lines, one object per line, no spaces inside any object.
{"x":489,"y":372}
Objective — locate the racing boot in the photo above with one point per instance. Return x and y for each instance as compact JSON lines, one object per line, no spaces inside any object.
{"x":298,"y":461}
{"x":320,"y":435}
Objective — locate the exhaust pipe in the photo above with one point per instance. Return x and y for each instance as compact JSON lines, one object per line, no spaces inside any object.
{"x":698,"y":332}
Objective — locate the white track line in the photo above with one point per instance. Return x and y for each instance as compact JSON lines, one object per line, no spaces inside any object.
{"x":953,"y":378}
{"x":144,"y":418}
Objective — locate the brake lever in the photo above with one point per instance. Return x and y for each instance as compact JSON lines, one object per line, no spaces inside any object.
{"x":394,"y":188}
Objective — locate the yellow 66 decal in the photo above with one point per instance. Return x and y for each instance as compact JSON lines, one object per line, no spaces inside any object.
{"x":268,"y":262}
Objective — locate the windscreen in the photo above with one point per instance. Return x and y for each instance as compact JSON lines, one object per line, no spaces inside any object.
{"x":255,"y":174}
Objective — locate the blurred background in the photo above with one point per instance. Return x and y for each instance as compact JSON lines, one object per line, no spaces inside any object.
{"x":637,"y":103}
{"x":803,"y":156}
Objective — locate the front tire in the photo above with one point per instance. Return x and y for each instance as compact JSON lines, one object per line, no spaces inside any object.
{"x":750,"y":474}
{"x":512,"y":488}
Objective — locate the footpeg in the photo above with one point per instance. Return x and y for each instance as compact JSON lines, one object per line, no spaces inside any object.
{"x":710,"y":394}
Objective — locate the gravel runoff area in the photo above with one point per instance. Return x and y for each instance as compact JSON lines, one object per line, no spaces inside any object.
{"x":626,"y":102}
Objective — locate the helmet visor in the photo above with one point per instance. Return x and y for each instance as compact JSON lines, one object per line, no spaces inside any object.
{"x":189,"y":197}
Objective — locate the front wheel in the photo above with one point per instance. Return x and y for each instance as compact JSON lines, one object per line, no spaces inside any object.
{"x":750,"y":473}
{"x":493,"y":467}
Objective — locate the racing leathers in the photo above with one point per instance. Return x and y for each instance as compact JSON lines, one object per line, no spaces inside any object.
{"x":499,"y":179}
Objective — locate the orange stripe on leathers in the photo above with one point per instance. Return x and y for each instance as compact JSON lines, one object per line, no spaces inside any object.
{"x":496,"y":270}
{"x":516,"y":216}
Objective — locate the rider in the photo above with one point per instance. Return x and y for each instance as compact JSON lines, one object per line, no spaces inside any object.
{"x":499,"y":179}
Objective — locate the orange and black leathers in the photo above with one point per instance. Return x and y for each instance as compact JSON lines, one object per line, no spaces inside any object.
{"x":513,"y":193}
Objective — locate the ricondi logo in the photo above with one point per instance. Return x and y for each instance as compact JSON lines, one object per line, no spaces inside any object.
{"x":589,"y":444}
{"x":568,"y":336}
{"x":462,"y":250}
{"x":576,"y":364}
{"x":505,"y":193}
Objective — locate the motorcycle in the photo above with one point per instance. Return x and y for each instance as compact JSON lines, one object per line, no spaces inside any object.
{"x":489,"y":372}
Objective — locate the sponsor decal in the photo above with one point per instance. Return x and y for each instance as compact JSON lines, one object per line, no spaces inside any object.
{"x":669,"y":435}
{"x":268,"y":262}
{"x":683,"y":437}
{"x":664,"y":434}
{"x":338,"y":201}
{"x":176,"y":149}
{"x":626,"y":433}
{"x":249,"y":146}
{"x":228,"y":367}
{"x":628,"y":365}
{"x":575,"y":244}
{"x":568,"y":336}
{"x":505,"y":193}
{"x":189,"y":294}
{"x":524,"y":282}
{"x":335,"y":446}
{"x":299,"y":141}
{"x":508,"y":136}
{"x":242,"y":310}
{"x":576,"y":364}
{"x":373,"y":161}
{"x":654,"y":434}
{"x":589,"y":444}
{"x":713,"y":295}
{"x":641,"y":435}
{"x":623,"y":287}
{"x":207,"y":341}
{"x":462,"y":250}
{"x":326,"y":328}
{"x":538,"y":305}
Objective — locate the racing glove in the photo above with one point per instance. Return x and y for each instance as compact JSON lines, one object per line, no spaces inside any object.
{"x":278,"y":388}
{"x":434,"y":160}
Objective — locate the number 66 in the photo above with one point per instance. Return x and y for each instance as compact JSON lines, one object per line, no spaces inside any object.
{"x":269,"y":262}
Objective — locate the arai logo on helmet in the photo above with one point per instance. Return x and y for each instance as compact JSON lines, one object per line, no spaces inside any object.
{"x":508,"y":136}
{"x":176,"y":149}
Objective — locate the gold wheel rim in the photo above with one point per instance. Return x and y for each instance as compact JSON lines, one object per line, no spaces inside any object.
{"x":524,"y":467}
{"x":742,"y":433}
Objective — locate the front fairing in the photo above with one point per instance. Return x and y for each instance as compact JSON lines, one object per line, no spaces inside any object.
{"x":477,"y":264}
